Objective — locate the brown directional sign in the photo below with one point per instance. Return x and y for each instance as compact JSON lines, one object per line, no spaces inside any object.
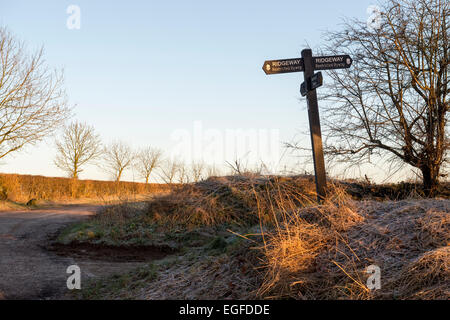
{"x":283,"y":66}
{"x":332,"y":62}
{"x":297,"y":64}
{"x":307,"y":63}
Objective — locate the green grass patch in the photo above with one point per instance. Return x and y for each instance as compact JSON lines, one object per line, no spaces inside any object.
{"x":124,"y":283}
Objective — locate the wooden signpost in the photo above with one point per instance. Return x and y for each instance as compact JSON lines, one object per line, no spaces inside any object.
{"x":308,"y":64}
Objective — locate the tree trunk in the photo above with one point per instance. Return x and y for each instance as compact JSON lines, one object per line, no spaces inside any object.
{"x":74,"y":187}
{"x":75,"y":170}
{"x":430,"y":180}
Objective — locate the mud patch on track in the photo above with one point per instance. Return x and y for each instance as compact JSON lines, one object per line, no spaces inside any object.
{"x":111,"y":253}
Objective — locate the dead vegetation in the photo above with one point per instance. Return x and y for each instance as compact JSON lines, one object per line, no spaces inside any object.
{"x":323,"y":252}
{"x":427,"y":277}
{"x":291,"y":247}
{"x":245,"y":199}
{"x":221,"y":200}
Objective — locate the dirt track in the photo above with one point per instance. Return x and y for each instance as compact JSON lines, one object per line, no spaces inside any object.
{"x":28,"y":270}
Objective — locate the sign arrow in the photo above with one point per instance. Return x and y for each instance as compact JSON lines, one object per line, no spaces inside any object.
{"x":283,"y":66}
{"x":332,"y":62}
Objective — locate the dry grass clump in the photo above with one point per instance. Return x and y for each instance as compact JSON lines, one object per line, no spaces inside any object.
{"x":435,"y":227}
{"x":22,"y":188}
{"x":427,"y":277}
{"x":233,"y":199}
{"x":322,"y":252}
{"x":339,"y":210}
{"x":294,"y":249}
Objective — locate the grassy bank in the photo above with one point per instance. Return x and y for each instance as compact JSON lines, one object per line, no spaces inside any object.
{"x":265,"y":237}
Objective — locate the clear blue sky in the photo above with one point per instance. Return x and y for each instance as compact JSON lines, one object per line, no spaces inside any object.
{"x":141,"y":70}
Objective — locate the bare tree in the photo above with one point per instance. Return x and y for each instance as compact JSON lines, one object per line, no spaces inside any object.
{"x":118,"y":157}
{"x":168,"y":170}
{"x":238,"y":166}
{"x":147,"y":160}
{"x":213,"y":171}
{"x":393,"y":101}
{"x":198,"y":171}
{"x":183,"y":173}
{"x":32,"y":99}
{"x":78,"y":146}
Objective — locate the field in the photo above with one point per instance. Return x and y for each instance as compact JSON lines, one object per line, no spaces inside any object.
{"x":262,"y":237}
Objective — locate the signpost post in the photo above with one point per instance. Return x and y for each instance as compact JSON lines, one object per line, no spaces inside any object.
{"x":308,"y":64}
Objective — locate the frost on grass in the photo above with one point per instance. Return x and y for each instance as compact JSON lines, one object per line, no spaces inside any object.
{"x":407,"y":239}
{"x":306,"y":251}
